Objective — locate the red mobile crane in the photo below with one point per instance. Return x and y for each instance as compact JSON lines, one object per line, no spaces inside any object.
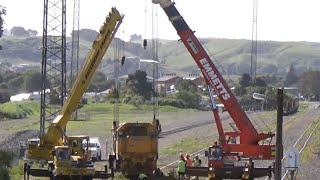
{"x":250,"y":141}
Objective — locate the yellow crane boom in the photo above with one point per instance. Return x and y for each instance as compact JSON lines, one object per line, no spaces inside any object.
{"x":99,"y":48}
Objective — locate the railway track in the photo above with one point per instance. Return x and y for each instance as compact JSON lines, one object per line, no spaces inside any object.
{"x":185,"y":128}
{"x":299,"y":137}
{"x":166,"y":133}
{"x":302,"y":141}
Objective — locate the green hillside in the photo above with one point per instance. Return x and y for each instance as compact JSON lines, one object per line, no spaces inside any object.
{"x":233,"y":55}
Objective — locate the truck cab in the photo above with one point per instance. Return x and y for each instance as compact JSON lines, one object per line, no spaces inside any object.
{"x":94,"y":148}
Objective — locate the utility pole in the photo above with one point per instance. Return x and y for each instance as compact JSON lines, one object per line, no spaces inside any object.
{"x":254,"y":51}
{"x":279,"y":152}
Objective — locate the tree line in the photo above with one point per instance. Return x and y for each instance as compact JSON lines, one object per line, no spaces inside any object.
{"x":137,"y":89}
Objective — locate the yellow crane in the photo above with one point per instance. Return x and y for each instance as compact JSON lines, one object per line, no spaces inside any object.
{"x":68,"y":158}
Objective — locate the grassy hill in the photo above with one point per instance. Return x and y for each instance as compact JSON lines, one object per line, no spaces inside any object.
{"x":233,"y":55}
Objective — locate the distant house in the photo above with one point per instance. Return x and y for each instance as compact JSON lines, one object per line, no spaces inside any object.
{"x":20,"y":97}
{"x":199,"y":81}
{"x":167,"y":83}
{"x":35,"y":96}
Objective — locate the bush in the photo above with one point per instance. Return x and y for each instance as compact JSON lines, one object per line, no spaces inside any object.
{"x":6,"y":159}
{"x":134,"y":100}
{"x":119,"y":176}
{"x":4,"y":173}
{"x":16,"y":172}
{"x":172,"y":174}
{"x":171,"y":102}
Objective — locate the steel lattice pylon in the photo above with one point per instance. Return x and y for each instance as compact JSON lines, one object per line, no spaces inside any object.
{"x":75,"y":46}
{"x":53,"y":60}
{"x":75,"y":42}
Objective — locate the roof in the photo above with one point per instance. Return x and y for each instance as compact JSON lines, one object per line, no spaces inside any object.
{"x":166,"y":78}
{"x":20,"y":97}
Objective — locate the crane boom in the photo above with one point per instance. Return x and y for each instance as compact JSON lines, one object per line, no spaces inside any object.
{"x":249,"y":137}
{"x":220,"y":158}
{"x":99,"y":48}
{"x":210,"y":72}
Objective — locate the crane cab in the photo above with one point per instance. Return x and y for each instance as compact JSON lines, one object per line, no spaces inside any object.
{"x":215,"y":156}
{"x":77,"y":146}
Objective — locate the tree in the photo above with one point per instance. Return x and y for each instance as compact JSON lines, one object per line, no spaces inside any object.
{"x":100,"y":82}
{"x":2,"y":12}
{"x":32,"y":32}
{"x":135,"y":37}
{"x":245,"y":80}
{"x":4,"y":93}
{"x":19,"y":31}
{"x":309,"y":82}
{"x":291,"y":77}
{"x":260,"y":82}
{"x":87,"y":34}
{"x":190,"y":99}
{"x":187,"y":85}
{"x":33,"y":81}
{"x":137,"y":84}
{"x":16,"y":84}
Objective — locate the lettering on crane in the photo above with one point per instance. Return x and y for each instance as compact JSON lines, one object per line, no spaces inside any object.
{"x":213,"y":79}
{"x":192,"y":46}
{"x":101,"y":48}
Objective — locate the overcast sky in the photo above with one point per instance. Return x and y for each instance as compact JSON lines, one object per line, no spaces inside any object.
{"x":280,"y":20}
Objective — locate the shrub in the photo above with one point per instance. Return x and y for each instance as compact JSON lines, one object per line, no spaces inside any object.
{"x":6,"y":159}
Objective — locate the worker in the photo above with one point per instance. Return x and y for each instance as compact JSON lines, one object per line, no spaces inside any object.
{"x":142,"y":176}
{"x":181,"y":167}
{"x":196,"y":161}
{"x":188,"y":160}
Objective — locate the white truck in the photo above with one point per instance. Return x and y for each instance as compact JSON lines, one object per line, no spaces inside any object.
{"x":95,"y":148}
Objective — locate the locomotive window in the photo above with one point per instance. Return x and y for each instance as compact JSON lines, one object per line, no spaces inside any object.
{"x":137,"y":131}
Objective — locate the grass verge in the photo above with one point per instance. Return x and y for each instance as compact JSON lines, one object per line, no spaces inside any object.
{"x":191,"y":144}
{"x":19,"y":110}
{"x":313,"y":147}
{"x":108,"y":107}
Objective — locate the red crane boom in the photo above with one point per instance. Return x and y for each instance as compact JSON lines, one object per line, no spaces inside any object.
{"x":249,"y":137}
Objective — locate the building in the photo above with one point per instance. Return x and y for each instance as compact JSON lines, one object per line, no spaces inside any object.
{"x":199,"y":81}
{"x":167,"y":83}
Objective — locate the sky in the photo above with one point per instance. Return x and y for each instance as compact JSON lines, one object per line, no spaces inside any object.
{"x":278,"y":20}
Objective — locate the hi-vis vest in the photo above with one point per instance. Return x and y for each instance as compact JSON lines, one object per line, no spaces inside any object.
{"x":181,"y":166}
{"x":196,"y":162}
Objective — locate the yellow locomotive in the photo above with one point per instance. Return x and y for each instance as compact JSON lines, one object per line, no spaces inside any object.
{"x":135,"y":148}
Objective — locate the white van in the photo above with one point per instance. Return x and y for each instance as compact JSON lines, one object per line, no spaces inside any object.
{"x":95,"y":148}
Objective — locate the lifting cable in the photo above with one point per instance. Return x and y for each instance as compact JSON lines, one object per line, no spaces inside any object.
{"x":229,"y":78}
{"x":145,"y":43}
{"x":117,"y":54}
{"x":155,"y":47}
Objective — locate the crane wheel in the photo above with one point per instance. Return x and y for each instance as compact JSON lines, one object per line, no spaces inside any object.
{"x":26,"y":171}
